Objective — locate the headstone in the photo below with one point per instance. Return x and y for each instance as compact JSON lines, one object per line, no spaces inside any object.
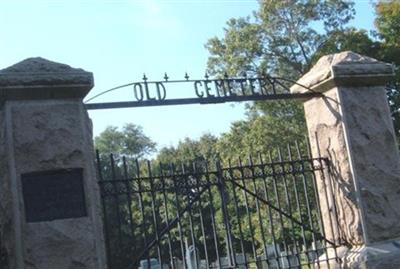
{"x":152,"y":263}
{"x":177,"y":263}
{"x":192,"y":257}
{"x":226,"y":263}
{"x":271,"y":260}
{"x":273,"y":251}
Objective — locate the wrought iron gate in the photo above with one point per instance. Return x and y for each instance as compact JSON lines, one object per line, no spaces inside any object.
{"x":263,"y":212}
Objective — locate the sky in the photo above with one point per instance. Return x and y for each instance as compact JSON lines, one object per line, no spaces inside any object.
{"x":120,"y":40}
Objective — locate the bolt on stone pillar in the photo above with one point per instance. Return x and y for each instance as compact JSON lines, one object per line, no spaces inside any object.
{"x":50,"y":213}
{"x":351,"y":125}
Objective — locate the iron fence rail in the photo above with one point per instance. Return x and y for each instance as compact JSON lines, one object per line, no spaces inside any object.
{"x":253,"y":214}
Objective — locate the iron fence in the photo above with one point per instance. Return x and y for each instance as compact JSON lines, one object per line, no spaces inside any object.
{"x":264,"y":212}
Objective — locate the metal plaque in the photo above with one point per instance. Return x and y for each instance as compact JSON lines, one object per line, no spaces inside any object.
{"x":51,"y":195}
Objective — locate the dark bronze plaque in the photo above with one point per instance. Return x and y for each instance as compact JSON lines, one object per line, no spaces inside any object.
{"x":52,"y":195}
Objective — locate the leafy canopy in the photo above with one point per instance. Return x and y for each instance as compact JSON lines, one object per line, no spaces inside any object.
{"x":279,"y":39}
{"x":188,"y":150}
{"x":388,"y":21}
{"x":383,"y":45}
{"x":130,"y":141}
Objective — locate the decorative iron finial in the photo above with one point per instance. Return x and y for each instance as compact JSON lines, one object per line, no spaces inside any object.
{"x":144,"y":77}
{"x":206,"y":76}
{"x":166,"y":76}
{"x":226,"y":75}
{"x":186,"y":76}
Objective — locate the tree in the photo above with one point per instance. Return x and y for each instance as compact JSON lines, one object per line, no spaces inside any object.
{"x":388,"y":21}
{"x":189,"y":150}
{"x":388,"y":30}
{"x":130,"y":141}
{"x":357,"y":40}
{"x":384,"y":45}
{"x":279,"y":39}
{"x":262,"y":132}
{"x":113,"y":145}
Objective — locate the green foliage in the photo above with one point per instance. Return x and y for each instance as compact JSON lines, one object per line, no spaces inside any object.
{"x":190,"y":150}
{"x":278,"y":39}
{"x":360,"y":42}
{"x":388,"y":26}
{"x":388,"y":21}
{"x":155,"y":198}
{"x":130,"y":141}
{"x":386,"y":48}
{"x":263,"y":131}
{"x":113,"y":145}
{"x":349,"y":39}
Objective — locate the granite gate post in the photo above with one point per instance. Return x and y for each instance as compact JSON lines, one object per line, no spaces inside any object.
{"x":351,"y":125}
{"x":50,"y":214}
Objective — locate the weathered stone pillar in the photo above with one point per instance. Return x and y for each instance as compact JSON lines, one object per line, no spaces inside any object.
{"x":351,"y":125}
{"x":50,"y":215}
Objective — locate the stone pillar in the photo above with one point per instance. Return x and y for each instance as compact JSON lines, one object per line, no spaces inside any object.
{"x":351,"y":125}
{"x":50,"y":214}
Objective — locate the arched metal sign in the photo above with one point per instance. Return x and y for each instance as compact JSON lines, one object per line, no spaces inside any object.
{"x":205,"y":91}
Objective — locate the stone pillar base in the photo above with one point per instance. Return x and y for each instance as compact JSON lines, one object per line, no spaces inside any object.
{"x":352,"y":127}
{"x":50,"y":209}
{"x":332,"y":260}
{"x":378,"y":256}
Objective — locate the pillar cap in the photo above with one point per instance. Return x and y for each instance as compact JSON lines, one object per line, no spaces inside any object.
{"x":38,"y":78}
{"x":344,"y":69}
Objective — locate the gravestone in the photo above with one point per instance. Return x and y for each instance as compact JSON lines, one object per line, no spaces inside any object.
{"x":50,"y":215}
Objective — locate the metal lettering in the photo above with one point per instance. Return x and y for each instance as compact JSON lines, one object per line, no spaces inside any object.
{"x":252,"y":87}
{"x":146,"y":89}
{"x":197,"y":82}
{"x":263,"y":89}
{"x":208,"y":89}
{"x":161,"y":92}
{"x":220,"y":85}
{"x":136,"y":87}
{"x":240,"y":81}
{"x":230,"y":88}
